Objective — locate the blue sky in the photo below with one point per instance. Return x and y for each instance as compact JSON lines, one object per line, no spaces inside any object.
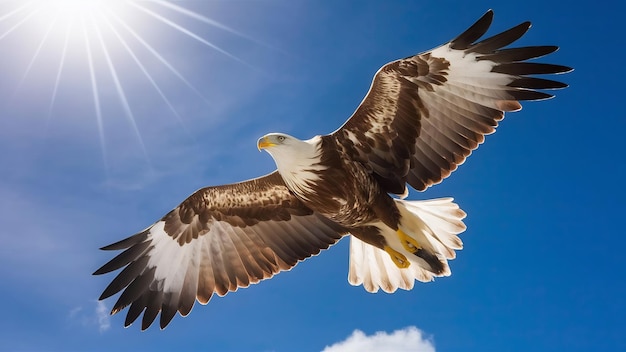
{"x":542,"y":266}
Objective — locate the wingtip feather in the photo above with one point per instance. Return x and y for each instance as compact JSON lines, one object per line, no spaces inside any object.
{"x":474,"y":32}
{"x":127,"y":242}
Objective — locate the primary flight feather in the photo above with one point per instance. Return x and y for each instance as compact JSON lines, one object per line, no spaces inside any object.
{"x":421,"y":118}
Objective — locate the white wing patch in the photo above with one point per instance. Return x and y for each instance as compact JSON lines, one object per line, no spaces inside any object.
{"x":172,"y":261}
{"x":468,"y":80}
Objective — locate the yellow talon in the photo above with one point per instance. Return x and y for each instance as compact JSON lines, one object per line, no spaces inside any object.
{"x":398,"y":258}
{"x":408,"y":242}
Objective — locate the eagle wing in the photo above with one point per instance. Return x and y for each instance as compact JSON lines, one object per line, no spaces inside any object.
{"x":424,"y":114}
{"x":217,"y":240}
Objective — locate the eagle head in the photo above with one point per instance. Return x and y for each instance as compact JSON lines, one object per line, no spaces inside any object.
{"x":296,"y":160}
{"x":272,"y":140}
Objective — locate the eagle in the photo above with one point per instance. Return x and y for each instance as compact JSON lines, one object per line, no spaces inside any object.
{"x":421,"y":118}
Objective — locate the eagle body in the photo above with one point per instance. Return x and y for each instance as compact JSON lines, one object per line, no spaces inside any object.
{"x":329,"y":182}
{"x":421,"y":118}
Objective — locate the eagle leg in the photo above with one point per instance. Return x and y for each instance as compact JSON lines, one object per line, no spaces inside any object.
{"x":408,"y":242}
{"x":398,"y":258}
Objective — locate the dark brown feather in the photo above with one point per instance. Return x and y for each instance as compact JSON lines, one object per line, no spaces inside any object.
{"x":155,"y":301}
{"x":125,"y":277}
{"x":135,"y":310}
{"x":127,"y":242}
{"x":136,"y":288}
{"x":500,"y":40}
{"x":473,"y":33}
{"x":169,"y":308}
{"x":536,"y":83}
{"x":124,"y":258}
{"x":518,"y":54}
{"x":525,"y":94}
{"x":530,"y":68}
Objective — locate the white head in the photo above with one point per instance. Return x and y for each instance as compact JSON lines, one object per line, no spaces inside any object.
{"x":295,"y":159}
{"x":270,"y":141}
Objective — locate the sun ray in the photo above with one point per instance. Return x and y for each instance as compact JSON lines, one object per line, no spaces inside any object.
{"x":60,"y":68}
{"x":15,"y":11}
{"x":211,"y":22}
{"x":159,"y":57}
{"x":120,"y":89}
{"x":146,"y":73}
{"x":21,"y":22}
{"x":200,"y":18}
{"x":189,"y":33}
{"x":37,"y":52}
{"x":96,"y":99}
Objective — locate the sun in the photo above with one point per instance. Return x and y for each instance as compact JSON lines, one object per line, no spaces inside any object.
{"x":73,"y":10}
{"x":75,"y":6}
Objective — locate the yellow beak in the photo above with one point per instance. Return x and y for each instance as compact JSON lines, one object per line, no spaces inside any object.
{"x":265,"y":143}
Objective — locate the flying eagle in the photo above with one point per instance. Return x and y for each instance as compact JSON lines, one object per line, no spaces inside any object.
{"x":422,"y":117}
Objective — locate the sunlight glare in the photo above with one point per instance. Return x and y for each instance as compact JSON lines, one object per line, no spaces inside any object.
{"x":72,"y":10}
{"x":91,"y":46}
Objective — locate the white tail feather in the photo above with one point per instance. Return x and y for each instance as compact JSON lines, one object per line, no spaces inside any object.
{"x":434,"y":224}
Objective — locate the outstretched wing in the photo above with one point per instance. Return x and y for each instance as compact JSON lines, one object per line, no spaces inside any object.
{"x":424,"y":114}
{"x":217,"y":240}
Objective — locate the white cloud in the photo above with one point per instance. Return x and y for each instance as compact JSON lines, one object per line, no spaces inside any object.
{"x":409,"y":339}
{"x":98,"y":317}
{"x":102,"y":312}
